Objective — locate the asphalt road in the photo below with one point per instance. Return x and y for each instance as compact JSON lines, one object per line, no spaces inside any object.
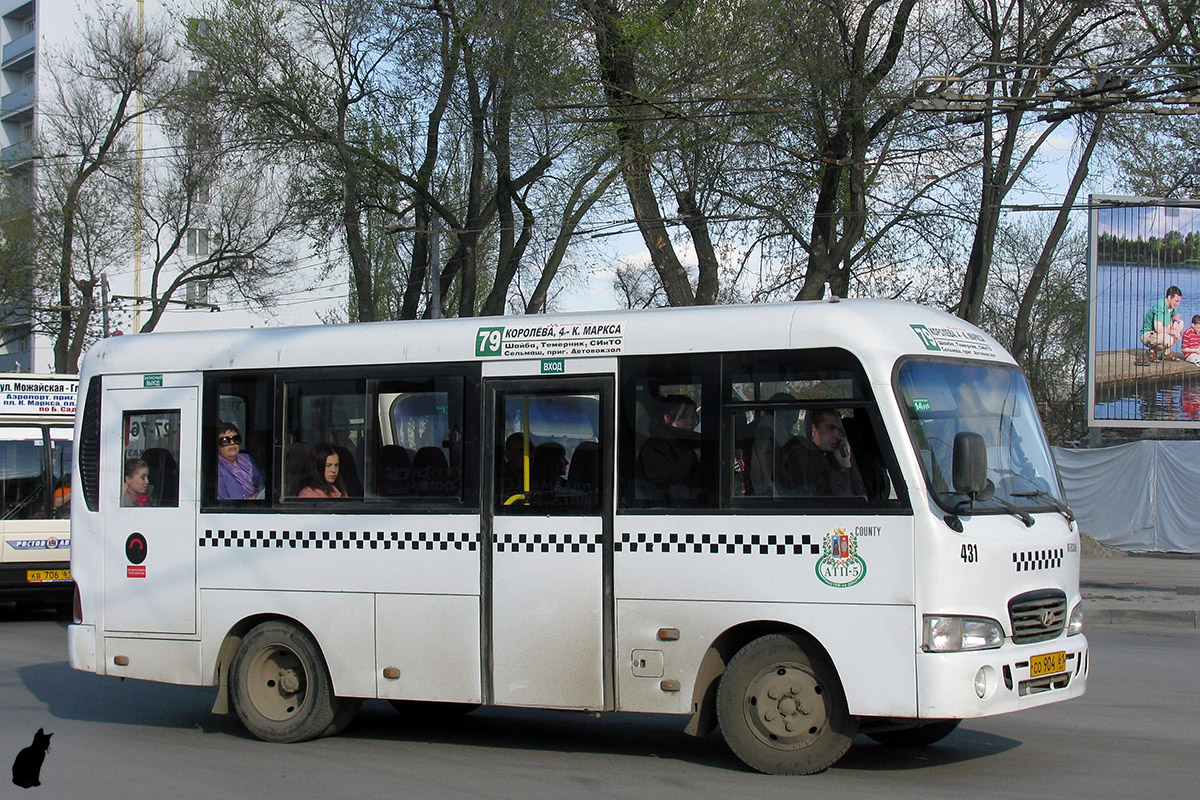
{"x":1134,"y":734}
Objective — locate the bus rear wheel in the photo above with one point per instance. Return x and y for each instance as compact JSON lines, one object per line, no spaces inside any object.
{"x":781,"y":708}
{"x":281,"y":687}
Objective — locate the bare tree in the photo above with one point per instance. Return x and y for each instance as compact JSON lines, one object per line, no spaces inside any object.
{"x":1025,"y":43}
{"x":120,"y":73}
{"x":618,"y":42}
{"x":411,"y":119}
{"x":217,"y":219}
{"x":293,"y":75}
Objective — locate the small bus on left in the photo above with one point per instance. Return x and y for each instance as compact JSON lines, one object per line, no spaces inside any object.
{"x":37,"y":417}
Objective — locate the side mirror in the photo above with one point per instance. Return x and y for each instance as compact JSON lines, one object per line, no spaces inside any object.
{"x":970,"y":466}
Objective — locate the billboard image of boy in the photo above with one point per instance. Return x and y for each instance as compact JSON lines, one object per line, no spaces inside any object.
{"x":1162,"y":325}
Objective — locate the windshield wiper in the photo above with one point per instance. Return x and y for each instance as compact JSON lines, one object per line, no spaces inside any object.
{"x":1014,"y":510}
{"x":1059,"y":506}
{"x":968,"y":505}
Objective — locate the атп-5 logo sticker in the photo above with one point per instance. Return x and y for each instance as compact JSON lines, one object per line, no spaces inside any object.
{"x":840,"y":563}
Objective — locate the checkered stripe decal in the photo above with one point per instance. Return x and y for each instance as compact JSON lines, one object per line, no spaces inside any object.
{"x":547,"y":542}
{"x":746,"y":544}
{"x":1038,"y":559}
{"x":344,"y":540}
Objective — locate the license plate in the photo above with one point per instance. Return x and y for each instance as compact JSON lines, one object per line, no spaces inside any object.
{"x":1048,"y":664}
{"x":47,"y":575}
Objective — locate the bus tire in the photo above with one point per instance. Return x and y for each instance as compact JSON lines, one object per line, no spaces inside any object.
{"x":347,"y":710}
{"x":281,"y":688}
{"x":782,"y":709}
{"x":432,"y":709}
{"x":919,"y":736}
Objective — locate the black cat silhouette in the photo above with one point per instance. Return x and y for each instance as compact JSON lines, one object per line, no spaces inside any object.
{"x":27,"y":768}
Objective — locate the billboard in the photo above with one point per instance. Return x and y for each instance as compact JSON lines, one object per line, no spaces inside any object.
{"x":1142,"y":250}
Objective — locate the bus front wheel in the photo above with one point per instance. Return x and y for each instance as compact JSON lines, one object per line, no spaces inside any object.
{"x":281,"y":687}
{"x":916,"y":736}
{"x":781,"y":708}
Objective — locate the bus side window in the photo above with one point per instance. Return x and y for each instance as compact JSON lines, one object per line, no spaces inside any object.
{"x":667,"y":454}
{"x":803,"y":424}
{"x":61,"y":451}
{"x":420,"y":452}
{"x":247,"y":402}
{"x":151,"y":459}
{"x":563,"y":451}
{"x":22,"y":474}
{"x":330,"y":412}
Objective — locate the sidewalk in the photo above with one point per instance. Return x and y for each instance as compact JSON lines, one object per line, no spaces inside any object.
{"x":1134,"y":589}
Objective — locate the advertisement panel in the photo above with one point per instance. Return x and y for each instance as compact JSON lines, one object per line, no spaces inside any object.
{"x":1143,"y":293}
{"x":23,"y":395}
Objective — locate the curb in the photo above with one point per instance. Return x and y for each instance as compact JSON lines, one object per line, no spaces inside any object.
{"x":1137,"y":616}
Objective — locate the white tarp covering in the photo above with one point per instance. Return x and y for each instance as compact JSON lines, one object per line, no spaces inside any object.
{"x":1143,"y":496}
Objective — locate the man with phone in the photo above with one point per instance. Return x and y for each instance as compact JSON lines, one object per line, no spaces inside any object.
{"x":821,"y":465}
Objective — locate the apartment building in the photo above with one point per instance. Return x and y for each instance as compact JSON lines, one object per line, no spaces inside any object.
{"x":18,"y":102}
{"x":34,"y":36}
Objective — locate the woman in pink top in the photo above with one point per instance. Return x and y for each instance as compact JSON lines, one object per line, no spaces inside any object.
{"x":324,"y":478}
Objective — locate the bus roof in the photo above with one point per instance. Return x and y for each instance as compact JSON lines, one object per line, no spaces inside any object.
{"x":877,"y":331}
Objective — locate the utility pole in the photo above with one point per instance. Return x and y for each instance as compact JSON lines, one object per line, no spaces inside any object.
{"x":435,"y":270}
{"x":104,"y":304}
{"x":434,"y":232}
{"x":137,"y":186}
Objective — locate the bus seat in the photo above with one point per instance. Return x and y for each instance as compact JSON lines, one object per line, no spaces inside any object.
{"x":393,"y":471}
{"x":431,"y":473}
{"x":866,"y":454}
{"x":584,"y":472}
{"x":164,"y":476}
{"x":295,"y":467}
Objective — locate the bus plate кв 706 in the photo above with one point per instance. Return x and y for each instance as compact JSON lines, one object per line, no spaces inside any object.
{"x":1048,"y":664}
{"x":47,"y":575}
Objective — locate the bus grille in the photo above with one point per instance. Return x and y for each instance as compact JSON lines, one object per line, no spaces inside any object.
{"x":1037,"y":616}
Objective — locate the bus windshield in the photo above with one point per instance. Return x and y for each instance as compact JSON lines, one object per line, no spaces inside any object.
{"x":942,"y":399}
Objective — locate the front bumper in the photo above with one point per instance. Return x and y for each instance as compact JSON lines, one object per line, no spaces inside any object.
{"x":15,"y":583}
{"x":946,"y":682}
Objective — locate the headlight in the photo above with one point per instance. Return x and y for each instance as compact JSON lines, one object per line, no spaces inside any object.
{"x":944,"y":634}
{"x":1075,"y":623}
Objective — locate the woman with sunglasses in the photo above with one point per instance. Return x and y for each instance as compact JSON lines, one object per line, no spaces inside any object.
{"x":238,"y":477}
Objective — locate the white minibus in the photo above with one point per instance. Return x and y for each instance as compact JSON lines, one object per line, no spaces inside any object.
{"x":801,"y":522}
{"x":37,"y":413}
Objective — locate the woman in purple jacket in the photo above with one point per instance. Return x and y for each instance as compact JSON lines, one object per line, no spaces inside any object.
{"x":238,"y":477}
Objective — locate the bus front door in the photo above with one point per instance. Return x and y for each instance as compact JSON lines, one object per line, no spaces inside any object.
{"x":548,"y":571}
{"x":148,"y":496}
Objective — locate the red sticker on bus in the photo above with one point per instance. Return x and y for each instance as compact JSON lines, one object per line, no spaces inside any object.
{"x":135,"y":572}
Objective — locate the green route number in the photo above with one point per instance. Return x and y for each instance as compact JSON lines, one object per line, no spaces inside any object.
{"x":488,"y":343}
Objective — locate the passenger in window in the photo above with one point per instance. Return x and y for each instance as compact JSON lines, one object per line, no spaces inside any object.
{"x":323,"y":478}
{"x":822,"y":464}
{"x":549,"y":469}
{"x":513,"y":480}
{"x":238,"y":477}
{"x":772,"y":433}
{"x":137,"y":483}
{"x":668,"y":465}
{"x":62,"y":498}
{"x":352,"y":484}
